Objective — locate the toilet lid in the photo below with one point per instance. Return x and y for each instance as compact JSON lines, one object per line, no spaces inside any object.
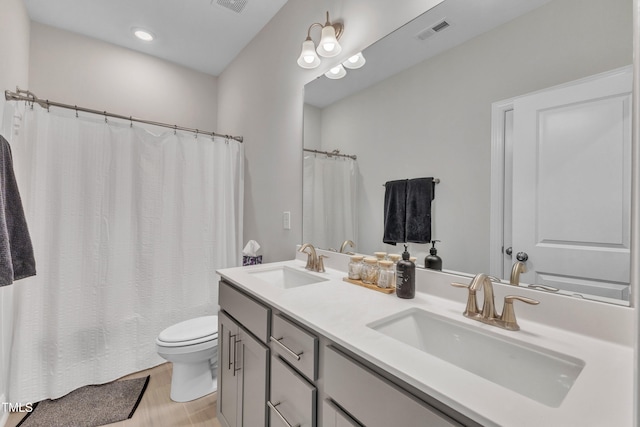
{"x":191,"y":329}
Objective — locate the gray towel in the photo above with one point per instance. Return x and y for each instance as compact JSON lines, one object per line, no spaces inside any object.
{"x":16,"y":252}
{"x":420,"y":192}
{"x":395,"y":199}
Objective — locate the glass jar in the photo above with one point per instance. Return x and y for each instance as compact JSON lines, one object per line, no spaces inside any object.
{"x":369,"y":272}
{"x":395,"y":258}
{"x":386,"y":275}
{"x":380,"y":255}
{"x":355,"y":266}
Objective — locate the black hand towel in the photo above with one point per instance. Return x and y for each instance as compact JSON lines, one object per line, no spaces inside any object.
{"x":16,"y":252}
{"x":420,"y":193}
{"x":395,"y":198}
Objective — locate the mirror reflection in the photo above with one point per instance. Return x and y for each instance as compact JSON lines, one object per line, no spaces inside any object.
{"x":424,"y":107}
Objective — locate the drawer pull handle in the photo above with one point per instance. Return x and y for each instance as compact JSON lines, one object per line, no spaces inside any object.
{"x":284,"y":420}
{"x":229,"y":350}
{"x":235,"y":356}
{"x":287,"y":349}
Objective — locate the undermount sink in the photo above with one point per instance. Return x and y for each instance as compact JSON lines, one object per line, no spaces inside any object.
{"x":286,"y":277}
{"x":537,"y":373}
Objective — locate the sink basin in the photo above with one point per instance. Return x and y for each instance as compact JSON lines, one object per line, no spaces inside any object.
{"x":537,"y":373}
{"x":286,"y":277}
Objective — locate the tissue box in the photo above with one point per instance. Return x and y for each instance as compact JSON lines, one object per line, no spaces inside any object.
{"x":251,"y":260}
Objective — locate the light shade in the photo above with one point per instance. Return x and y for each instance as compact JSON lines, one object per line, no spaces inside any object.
{"x":308,"y":57}
{"x":355,"y":62}
{"x":336,"y":72}
{"x":329,"y":46}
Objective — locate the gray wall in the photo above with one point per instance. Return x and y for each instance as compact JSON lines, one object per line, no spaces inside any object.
{"x":78,"y":70}
{"x":261,"y":97}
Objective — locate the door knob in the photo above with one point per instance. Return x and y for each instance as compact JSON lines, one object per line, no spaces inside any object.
{"x":522,"y":256}
{"x":509,"y":251}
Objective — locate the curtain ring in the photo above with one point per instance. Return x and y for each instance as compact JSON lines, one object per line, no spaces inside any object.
{"x":130,"y":122}
{"x":105,"y":117}
{"x":47,"y":105}
{"x":76,"y":108}
{"x":197,"y":133}
{"x":175,"y":129}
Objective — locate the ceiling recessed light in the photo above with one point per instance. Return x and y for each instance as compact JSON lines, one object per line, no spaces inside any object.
{"x":143,"y":35}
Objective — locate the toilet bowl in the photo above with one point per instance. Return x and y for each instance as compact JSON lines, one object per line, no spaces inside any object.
{"x":192,"y":347}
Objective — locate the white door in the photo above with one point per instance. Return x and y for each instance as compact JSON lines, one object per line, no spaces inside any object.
{"x":571,"y":185}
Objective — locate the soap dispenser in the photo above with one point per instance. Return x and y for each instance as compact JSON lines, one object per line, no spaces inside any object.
{"x":433,"y":261}
{"x":405,"y":276}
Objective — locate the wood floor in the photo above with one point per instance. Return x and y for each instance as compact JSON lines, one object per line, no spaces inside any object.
{"x":156,"y":408}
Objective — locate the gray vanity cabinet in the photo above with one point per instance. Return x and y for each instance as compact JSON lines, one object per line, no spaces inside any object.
{"x":243,"y":360}
{"x":273,"y":371}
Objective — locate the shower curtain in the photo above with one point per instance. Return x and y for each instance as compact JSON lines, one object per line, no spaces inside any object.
{"x":329,"y":200}
{"x":128,"y":229}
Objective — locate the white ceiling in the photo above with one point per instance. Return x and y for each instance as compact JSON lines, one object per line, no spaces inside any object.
{"x":203,"y":35}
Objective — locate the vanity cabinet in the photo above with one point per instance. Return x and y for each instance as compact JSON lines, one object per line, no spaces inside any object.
{"x":373,"y":400}
{"x":275,"y":372}
{"x":243,"y":360}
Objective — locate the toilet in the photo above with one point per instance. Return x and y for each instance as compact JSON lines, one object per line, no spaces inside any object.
{"x":192,"y":347}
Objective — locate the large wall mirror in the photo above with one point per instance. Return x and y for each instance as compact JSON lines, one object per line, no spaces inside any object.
{"x":423,"y":105}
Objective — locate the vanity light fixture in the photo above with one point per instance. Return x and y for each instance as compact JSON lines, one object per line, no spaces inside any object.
{"x":354,"y":62}
{"x":327,"y":48}
{"x":336,"y":72}
{"x":143,"y":35}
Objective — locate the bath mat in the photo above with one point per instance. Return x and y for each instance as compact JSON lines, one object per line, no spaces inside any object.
{"x":89,"y":406}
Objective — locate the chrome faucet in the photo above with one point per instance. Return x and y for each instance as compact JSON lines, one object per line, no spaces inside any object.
{"x":518,"y":267}
{"x":344,"y":245}
{"x":488,"y":314}
{"x":314,"y":262}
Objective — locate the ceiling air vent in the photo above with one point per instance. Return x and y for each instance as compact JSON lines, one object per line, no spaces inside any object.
{"x":235,"y":5}
{"x":432,"y":29}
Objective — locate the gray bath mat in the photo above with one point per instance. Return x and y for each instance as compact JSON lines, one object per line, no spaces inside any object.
{"x":89,"y":406}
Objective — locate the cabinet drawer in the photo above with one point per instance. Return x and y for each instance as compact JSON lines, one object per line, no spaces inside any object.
{"x":373,"y":400}
{"x":247,"y":311}
{"x":295,"y":345}
{"x":293,"y":399}
{"x":332,"y":416}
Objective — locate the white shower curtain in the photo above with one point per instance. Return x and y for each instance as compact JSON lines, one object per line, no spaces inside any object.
{"x":329,"y":200}
{"x":128,"y":229}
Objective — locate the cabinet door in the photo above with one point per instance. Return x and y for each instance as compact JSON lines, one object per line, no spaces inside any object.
{"x":228,"y":385}
{"x":252,"y":364}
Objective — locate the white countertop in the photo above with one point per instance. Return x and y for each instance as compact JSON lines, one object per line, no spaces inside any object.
{"x":601,"y":396}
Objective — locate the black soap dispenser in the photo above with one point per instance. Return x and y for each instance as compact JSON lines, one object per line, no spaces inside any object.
{"x":433,"y":261}
{"x":405,"y":276}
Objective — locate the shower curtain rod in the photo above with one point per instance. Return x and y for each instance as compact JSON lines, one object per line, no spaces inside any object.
{"x":25,"y":95}
{"x":333,"y":153}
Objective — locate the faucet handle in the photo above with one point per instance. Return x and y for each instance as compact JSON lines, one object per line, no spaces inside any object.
{"x":472,"y":302}
{"x":320,"y":266}
{"x":509,"y":315}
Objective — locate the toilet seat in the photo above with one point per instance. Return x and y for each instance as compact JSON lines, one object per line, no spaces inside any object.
{"x":189,"y":332}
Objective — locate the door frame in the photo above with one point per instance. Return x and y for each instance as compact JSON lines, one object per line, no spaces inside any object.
{"x":497,"y":204}
{"x":498,"y":162}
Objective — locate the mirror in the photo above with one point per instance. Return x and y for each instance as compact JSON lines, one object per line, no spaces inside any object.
{"x":434,"y":118}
